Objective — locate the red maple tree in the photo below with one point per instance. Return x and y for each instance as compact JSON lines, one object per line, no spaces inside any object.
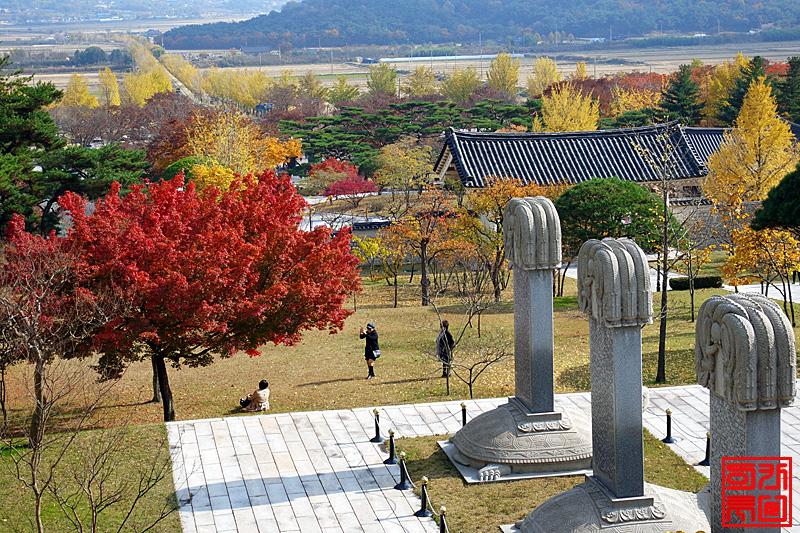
{"x":333,"y":165}
{"x":351,"y":189}
{"x":210,"y":274}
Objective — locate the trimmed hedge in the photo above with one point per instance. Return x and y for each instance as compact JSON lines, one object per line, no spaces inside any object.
{"x":700,"y":282}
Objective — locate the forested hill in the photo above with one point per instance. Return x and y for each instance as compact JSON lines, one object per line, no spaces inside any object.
{"x":359,"y":22}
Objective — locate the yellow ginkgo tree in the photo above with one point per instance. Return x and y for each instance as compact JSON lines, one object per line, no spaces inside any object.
{"x":567,"y":109}
{"x":77,"y":92}
{"x":720,"y":82}
{"x":230,"y":140}
{"x":503,"y":74}
{"x":755,"y":155}
{"x":109,"y":88}
{"x":545,"y":73}
{"x":421,"y":82}
{"x":752,"y":159}
{"x":767,"y":256}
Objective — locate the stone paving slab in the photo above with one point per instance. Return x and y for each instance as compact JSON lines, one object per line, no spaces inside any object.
{"x":319,"y":472}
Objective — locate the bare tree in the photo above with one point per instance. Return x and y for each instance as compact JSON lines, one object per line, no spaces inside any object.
{"x":477,"y":355}
{"x":79,"y":124}
{"x":474,"y":289}
{"x":676,"y":236}
{"x":47,"y":316}
{"x":94,"y":484}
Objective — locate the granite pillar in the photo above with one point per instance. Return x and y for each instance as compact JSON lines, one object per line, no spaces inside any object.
{"x":745,"y":355}
{"x":529,"y":435}
{"x":614,"y":290}
{"x":533,"y":339}
{"x":616,"y":369}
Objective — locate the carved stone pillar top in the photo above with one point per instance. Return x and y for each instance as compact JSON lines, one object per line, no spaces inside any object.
{"x":532,"y":233}
{"x":745,"y":351}
{"x":614,"y":283}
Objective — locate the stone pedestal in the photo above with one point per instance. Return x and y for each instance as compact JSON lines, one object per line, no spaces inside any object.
{"x":556,"y":442}
{"x":590,"y":508}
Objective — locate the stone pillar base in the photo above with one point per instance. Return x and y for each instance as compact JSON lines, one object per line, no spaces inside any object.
{"x":589,"y":507}
{"x":526,"y":442}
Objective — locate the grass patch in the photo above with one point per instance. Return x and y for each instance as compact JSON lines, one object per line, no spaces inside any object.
{"x":483,"y":507}
{"x":135,"y":454}
{"x":12,"y":448}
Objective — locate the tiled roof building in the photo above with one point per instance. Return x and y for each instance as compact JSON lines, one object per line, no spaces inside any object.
{"x":553,"y":157}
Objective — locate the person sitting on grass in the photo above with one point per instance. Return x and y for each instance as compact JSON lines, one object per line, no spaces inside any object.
{"x":258,"y":400}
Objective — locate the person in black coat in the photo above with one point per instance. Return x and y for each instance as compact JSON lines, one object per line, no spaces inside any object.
{"x":444,"y":348}
{"x":371,"y":350}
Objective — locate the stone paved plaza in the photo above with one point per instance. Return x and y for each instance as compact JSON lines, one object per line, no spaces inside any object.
{"x":318,"y":471}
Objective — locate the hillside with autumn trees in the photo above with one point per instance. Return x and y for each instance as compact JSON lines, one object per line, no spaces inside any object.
{"x":313,"y":23}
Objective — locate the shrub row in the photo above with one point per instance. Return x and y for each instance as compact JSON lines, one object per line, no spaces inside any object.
{"x":700,"y":282}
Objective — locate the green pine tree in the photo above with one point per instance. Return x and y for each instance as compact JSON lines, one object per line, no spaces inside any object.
{"x":750,"y":72}
{"x":26,"y":131}
{"x":787,"y":91}
{"x":680,"y":99}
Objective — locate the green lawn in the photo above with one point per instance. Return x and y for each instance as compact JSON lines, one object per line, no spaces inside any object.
{"x":482,"y":507}
{"x":128,"y":454}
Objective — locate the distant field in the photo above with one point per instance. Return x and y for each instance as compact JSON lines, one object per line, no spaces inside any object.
{"x":602,"y":62}
{"x":659,"y":60}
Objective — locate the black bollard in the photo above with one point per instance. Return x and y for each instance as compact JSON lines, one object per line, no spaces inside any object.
{"x":706,"y":461}
{"x":463,"y":414}
{"x":377,"y":437}
{"x":391,"y":460}
{"x":403,"y":485}
{"x":668,"y":439}
{"x":423,"y":510}
{"x":442,"y":520}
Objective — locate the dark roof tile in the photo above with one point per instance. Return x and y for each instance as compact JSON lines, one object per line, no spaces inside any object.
{"x":552,"y":157}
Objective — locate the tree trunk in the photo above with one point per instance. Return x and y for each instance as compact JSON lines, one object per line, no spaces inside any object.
{"x":36,"y":434}
{"x":563,"y":278}
{"x":36,"y":437}
{"x":423,"y":274}
{"x":497,"y":271}
{"x":691,"y":284}
{"x":156,"y":389}
{"x":166,"y":393}
{"x":661,"y":374}
{"x":38,"y":510}
{"x":395,"y":290}
{"x":3,"y":395}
